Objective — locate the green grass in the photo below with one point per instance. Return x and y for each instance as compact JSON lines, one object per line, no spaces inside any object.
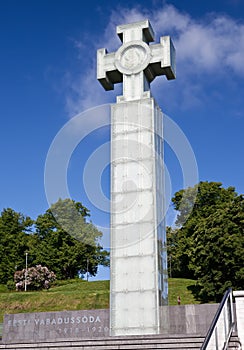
{"x":78,"y":295}
{"x":3,"y":288}
{"x":180,"y":286}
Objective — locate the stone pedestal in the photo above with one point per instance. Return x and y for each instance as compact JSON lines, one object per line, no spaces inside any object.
{"x":139,"y":283}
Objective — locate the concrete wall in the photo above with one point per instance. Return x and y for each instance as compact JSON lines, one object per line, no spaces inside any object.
{"x":55,"y":326}
{"x":91,"y":324}
{"x":239,"y":300}
{"x":188,"y":319}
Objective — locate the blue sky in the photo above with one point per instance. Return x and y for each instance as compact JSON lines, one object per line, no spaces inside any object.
{"x":48,"y":75}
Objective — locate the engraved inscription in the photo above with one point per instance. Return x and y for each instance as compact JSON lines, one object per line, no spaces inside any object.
{"x":55,"y":325}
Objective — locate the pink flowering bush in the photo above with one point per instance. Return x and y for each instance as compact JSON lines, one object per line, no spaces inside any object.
{"x":38,"y":277}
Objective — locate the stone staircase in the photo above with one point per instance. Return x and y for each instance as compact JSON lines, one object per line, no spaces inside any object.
{"x":121,"y":343}
{"x":234,"y":343}
{"x":150,"y":342}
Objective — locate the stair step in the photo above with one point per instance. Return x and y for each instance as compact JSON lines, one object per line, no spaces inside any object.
{"x":157,"y":342}
{"x":234,"y":343}
{"x":118,"y":343}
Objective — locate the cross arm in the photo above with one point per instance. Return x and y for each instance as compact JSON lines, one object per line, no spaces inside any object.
{"x":162,"y":60}
{"x":136,"y":31}
{"x":107,"y":73}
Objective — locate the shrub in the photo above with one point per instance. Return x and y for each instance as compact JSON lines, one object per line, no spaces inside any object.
{"x":37,"y":278}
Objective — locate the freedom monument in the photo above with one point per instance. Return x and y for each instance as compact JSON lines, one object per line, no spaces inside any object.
{"x":139,"y":281}
{"x":139,"y":317}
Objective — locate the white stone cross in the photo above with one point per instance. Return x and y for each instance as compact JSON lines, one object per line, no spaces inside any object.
{"x":136,"y":63}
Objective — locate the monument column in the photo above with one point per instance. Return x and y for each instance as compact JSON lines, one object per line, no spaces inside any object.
{"x":139,"y":284}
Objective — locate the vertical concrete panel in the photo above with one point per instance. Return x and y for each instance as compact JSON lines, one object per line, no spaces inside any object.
{"x":190,"y":319}
{"x":239,"y":300}
{"x":138,"y":255}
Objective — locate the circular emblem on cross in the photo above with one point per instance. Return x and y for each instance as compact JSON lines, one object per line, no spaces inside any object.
{"x":132,"y":57}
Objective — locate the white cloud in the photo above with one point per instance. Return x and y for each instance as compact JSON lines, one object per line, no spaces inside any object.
{"x":168,"y":19}
{"x":210,"y":45}
{"x":213,"y":45}
{"x":84,"y":92}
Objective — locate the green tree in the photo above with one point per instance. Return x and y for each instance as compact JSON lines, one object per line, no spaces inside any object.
{"x":13,"y":242}
{"x":65,"y":241}
{"x":211,"y":241}
{"x":177,"y":257}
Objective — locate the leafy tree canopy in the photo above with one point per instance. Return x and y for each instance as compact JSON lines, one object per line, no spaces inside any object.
{"x":13,"y":242}
{"x":66,"y":241}
{"x":61,"y":239}
{"x":209,"y":245}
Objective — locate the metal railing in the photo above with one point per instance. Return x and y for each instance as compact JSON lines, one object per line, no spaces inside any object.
{"x":223,"y":324}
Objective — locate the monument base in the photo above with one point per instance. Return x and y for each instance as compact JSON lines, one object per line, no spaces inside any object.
{"x":87,"y":326}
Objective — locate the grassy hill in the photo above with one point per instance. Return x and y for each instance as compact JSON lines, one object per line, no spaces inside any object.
{"x":78,"y":295}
